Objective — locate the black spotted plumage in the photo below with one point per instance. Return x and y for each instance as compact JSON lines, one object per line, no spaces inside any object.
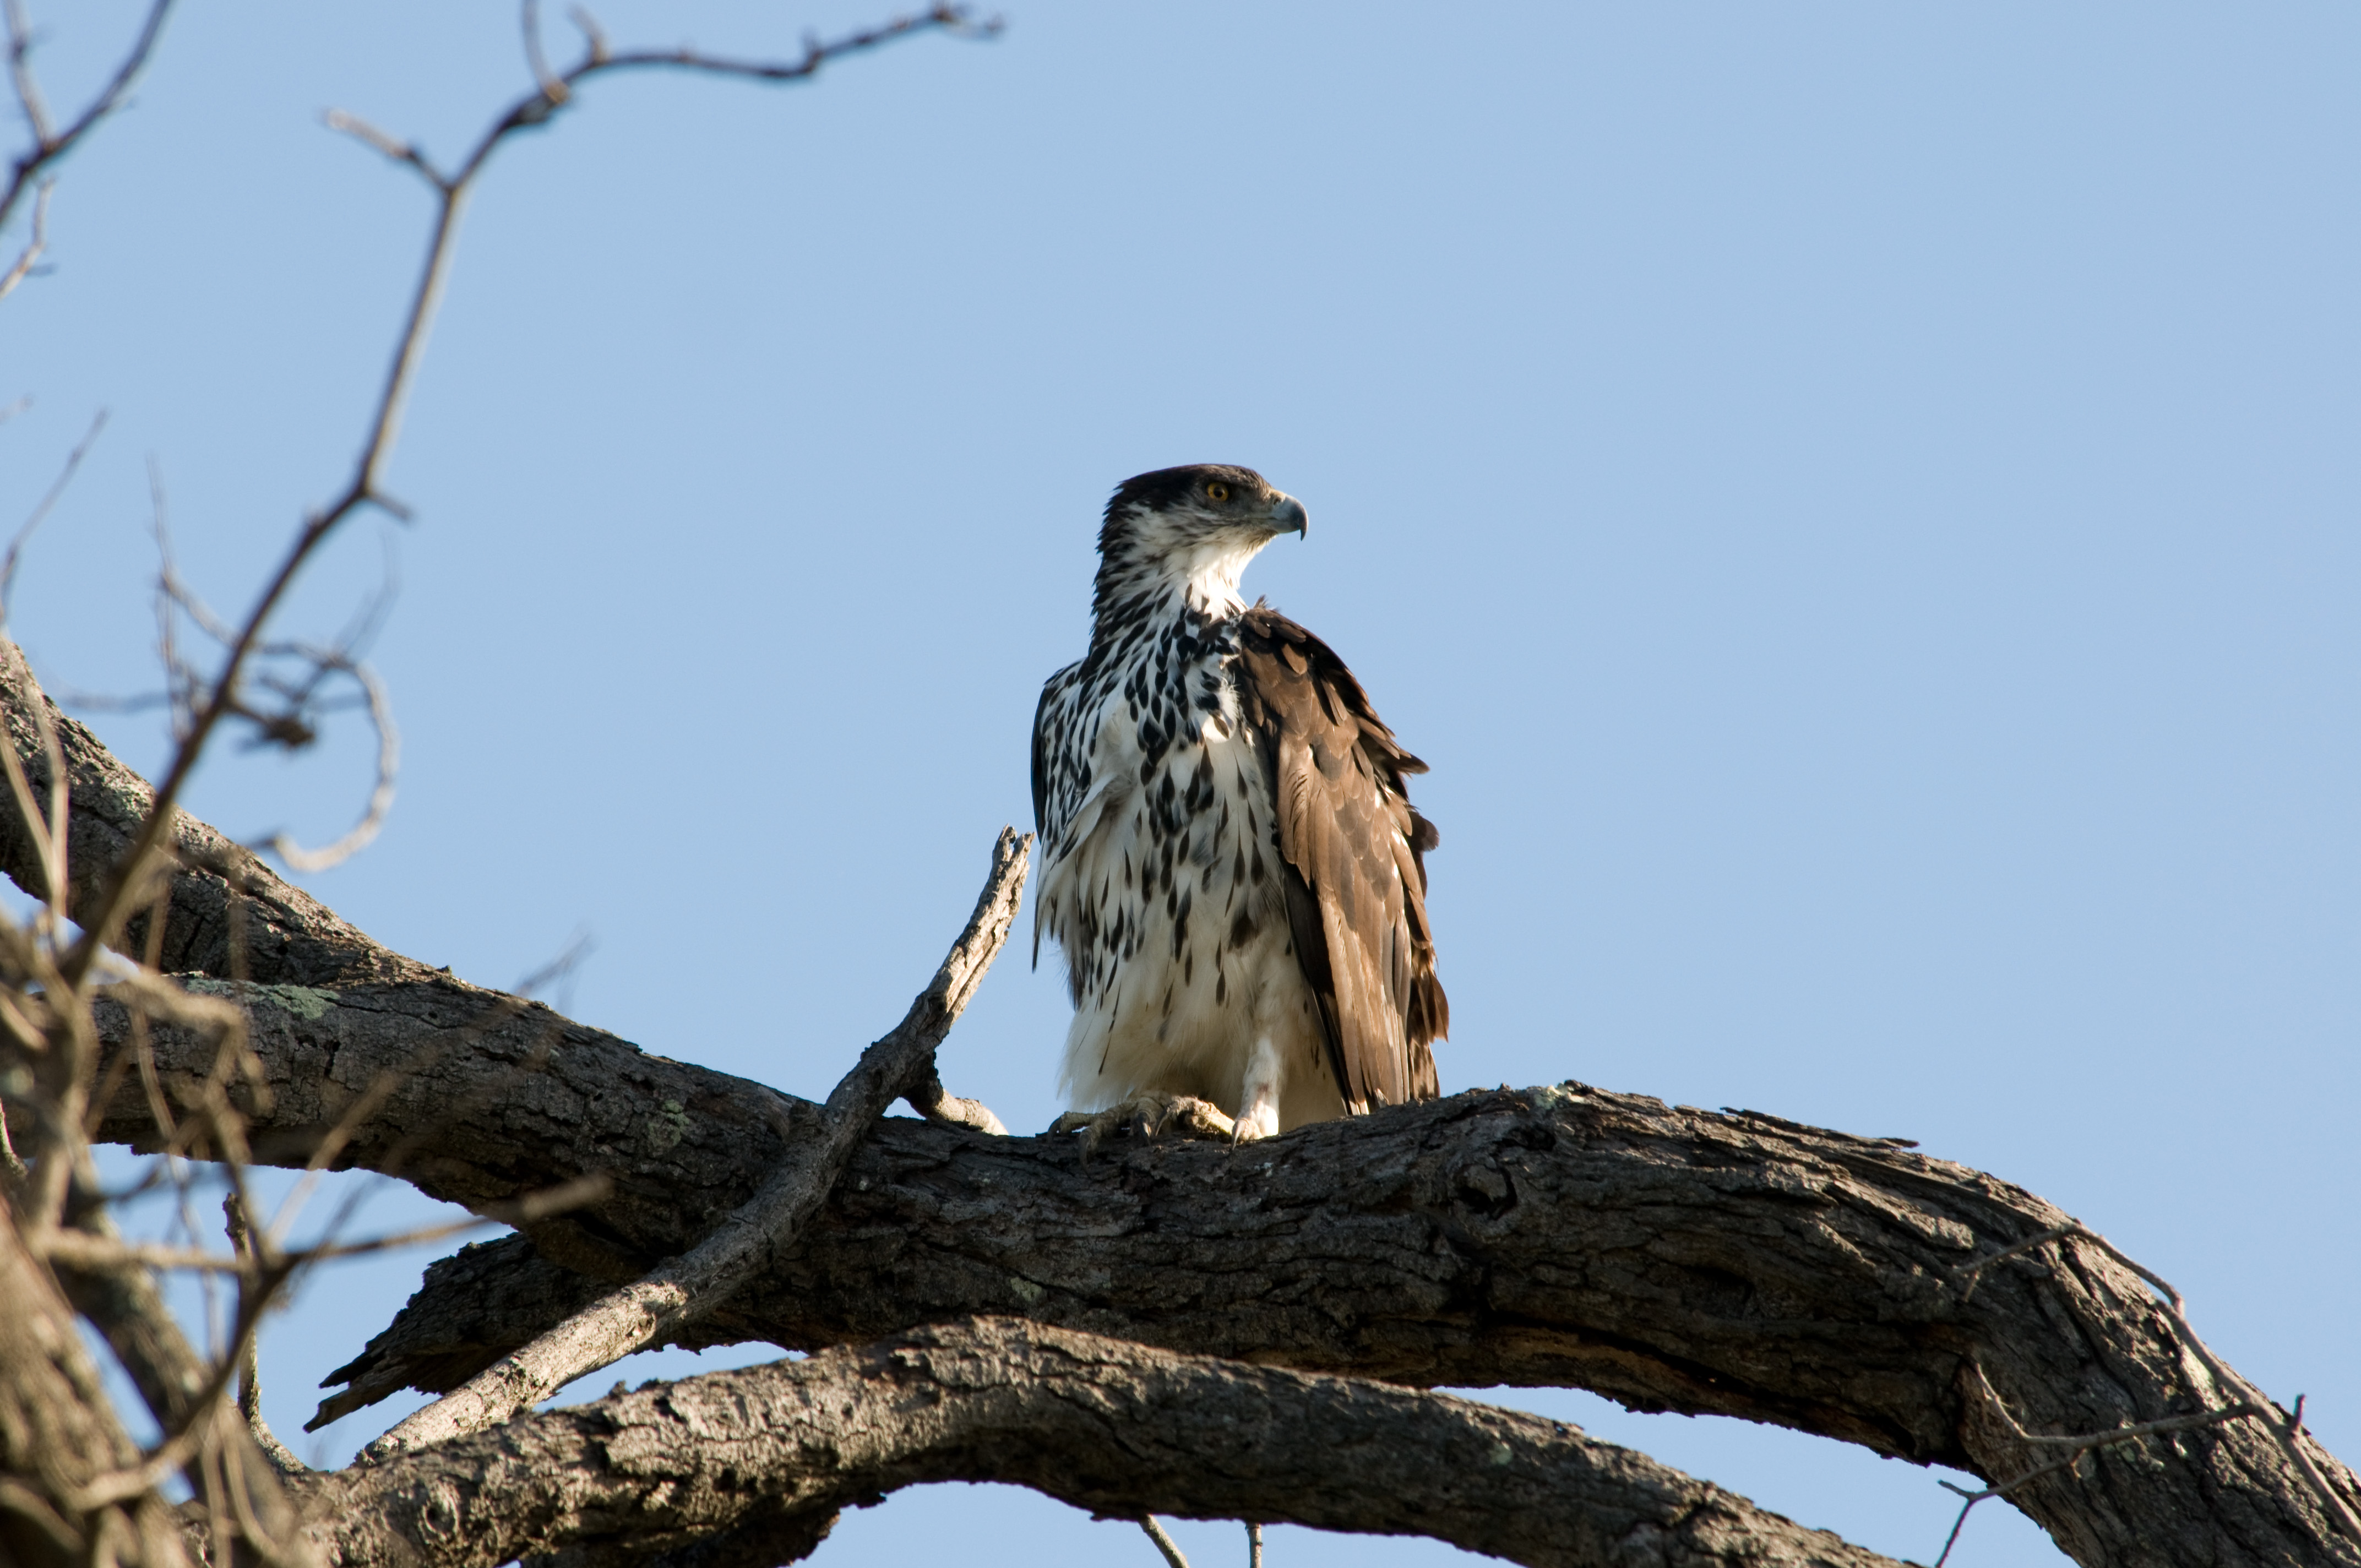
{"x":1231,"y":865}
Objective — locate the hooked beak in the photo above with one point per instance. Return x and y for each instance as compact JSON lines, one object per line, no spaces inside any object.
{"x":1288,"y":515}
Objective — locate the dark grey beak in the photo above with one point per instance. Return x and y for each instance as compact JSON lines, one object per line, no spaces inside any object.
{"x":1288,"y":515}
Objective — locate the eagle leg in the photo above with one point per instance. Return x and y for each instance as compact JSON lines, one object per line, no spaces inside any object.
{"x":1258,"y":1098}
{"x":1149,"y":1115}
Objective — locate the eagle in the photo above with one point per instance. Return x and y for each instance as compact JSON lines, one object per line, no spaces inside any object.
{"x":1231,"y":865}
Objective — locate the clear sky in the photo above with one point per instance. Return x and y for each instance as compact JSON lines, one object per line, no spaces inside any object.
{"x":1856,"y":503}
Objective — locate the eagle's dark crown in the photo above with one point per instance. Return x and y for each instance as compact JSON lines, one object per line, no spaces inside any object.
{"x":1189,"y":530}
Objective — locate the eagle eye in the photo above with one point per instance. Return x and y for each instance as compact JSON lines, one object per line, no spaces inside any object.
{"x":1217,"y":491}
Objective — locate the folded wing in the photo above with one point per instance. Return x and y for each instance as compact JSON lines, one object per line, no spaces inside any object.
{"x":1355,"y":856}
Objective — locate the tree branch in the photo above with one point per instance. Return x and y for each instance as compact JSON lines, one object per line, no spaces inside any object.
{"x":49,"y":144}
{"x":289,"y":937}
{"x":653,"y":1310}
{"x":766,"y":1456}
{"x":1666,"y":1258}
{"x":107,"y":905}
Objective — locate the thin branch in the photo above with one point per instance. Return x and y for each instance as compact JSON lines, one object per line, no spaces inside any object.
{"x":381,"y":800}
{"x":82,"y":1250}
{"x":250,"y":1369}
{"x":1164,"y":1542}
{"x":48,"y":144}
{"x":34,"y":245}
{"x":551,"y":88}
{"x":687,"y":1287}
{"x":594,"y":37}
{"x":2286,"y":1430}
{"x":2075,"y":1447}
{"x":366,"y":487}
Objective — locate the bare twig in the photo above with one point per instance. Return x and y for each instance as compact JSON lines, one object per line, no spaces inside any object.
{"x":594,"y":37}
{"x":644,"y":1313}
{"x":51,"y":144}
{"x":578,"y":949}
{"x":2075,"y":1447}
{"x":249,"y":1370}
{"x":381,"y":800}
{"x":2286,"y":1428}
{"x":34,"y":245}
{"x":551,"y":88}
{"x":81,"y":1249}
{"x":365,"y":486}
{"x":1164,"y":1542}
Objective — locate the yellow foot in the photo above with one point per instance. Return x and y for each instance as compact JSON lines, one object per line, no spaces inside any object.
{"x":1150,"y":1115}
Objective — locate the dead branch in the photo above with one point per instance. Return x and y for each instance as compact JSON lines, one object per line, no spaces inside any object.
{"x":388,"y":769}
{"x":2285,"y":1427}
{"x":755,"y":1464}
{"x":112,"y":900}
{"x":25,"y":530}
{"x":51,"y":143}
{"x":250,"y":1257}
{"x":652,"y":1309}
{"x":1169,"y":1547}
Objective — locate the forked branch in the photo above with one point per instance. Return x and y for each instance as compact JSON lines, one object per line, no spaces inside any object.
{"x":50,"y":141}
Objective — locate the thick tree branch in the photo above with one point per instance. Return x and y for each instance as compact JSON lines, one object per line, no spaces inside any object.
{"x":653,"y":1310}
{"x":765,"y":1457}
{"x":289,"y":937}
{"x":1667,"y":1258}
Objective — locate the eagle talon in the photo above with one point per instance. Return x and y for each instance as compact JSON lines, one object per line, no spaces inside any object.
{"x":1148,"y":1115}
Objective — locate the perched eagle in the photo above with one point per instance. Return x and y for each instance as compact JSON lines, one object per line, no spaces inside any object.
{"x":1230,"y":861}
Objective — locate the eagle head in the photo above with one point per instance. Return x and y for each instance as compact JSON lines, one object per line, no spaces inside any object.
{"x":1199,"y":524}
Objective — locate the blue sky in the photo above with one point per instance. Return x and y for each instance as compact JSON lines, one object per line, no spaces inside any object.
{"x":1855,"y":503}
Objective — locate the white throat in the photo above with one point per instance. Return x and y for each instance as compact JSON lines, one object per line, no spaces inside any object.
{"x":1202,"y":577}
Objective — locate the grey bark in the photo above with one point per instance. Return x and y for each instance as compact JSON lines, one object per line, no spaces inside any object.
{"x":755,"y":1464}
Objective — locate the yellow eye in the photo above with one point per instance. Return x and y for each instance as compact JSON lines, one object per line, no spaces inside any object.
{"x":1218,"y":491}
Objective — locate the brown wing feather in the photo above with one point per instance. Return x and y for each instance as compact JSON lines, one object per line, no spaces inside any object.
{"x":1355,"y":854}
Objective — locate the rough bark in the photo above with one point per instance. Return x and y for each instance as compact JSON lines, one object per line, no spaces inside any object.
{"x":755,"y":1464}
{"x":1670,"y":1258}
{"x":290,"y":936}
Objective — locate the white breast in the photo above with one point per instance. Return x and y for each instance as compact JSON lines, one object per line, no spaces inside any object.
{"x":1164,"y":892}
